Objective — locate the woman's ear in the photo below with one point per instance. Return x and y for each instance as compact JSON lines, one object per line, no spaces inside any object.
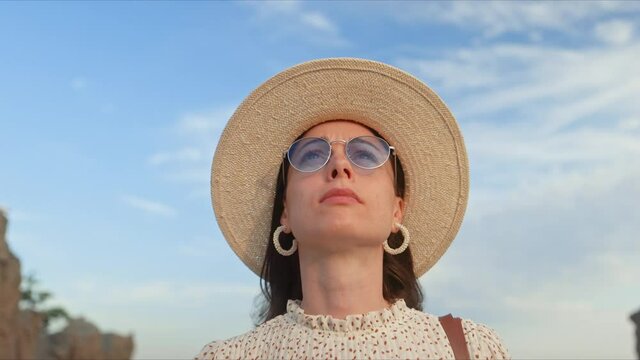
{"x":398,"y":212}
{"x":284,"y":218}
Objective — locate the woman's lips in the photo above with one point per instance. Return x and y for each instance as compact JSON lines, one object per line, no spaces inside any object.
{"x":340,"y":196}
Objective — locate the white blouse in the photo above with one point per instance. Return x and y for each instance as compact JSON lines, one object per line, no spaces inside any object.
{"x":398,"y":332}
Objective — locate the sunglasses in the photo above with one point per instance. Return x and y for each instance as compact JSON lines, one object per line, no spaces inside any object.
{"x":312,"y":153}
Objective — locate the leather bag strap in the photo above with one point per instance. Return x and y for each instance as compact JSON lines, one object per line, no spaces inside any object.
{"x":453,"y":328}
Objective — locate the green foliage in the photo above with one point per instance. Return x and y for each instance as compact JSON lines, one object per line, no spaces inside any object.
{"x":54,"y":313}
{"x":33,"y":299}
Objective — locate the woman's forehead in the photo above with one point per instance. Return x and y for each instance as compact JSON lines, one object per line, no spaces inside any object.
{"x":341,"y":129}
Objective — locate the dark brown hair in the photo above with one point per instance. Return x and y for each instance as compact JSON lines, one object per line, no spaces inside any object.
{"x":280,"y":275}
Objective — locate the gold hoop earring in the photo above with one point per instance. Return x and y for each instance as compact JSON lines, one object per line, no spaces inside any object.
{"x":405,"y":241}
{"x":276,"y":242}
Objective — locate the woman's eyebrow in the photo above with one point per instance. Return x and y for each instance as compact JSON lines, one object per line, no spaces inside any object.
{"x":317,"y":137}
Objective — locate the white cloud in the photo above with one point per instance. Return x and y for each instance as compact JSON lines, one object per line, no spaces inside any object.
{"x":202,"y":247}
{"x":159,"y":292}
{"x":549,"y":237}
{"x":551,"y":255}
{"x":496,"y":18}
{"x":535,"y":36}
{"x":630,"y":123}
{"x":205,"y":123}
{"x":586,"y":333}
{"x":18,"y":215}
{"x":318,"y":21}
{"x":267,"y":9}
{"x":198,"y":175}
{"x":79,"y":83}
{"x":599,"y":296}
{"x":513,"y":147}
{"x":552,"y":88}
{"x":149,"y":206}
{"x":616,"y":32}
{"x":290,"y":19}
{"x":199,"y":131}
{"x":187,"y":154}
{"x":192,"y":313}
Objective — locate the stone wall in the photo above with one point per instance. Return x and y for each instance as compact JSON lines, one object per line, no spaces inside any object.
{"x":23,"y":336}
{"x":9,"y":296}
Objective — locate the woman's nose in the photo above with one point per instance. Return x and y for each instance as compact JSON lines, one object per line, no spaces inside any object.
{"x":339,"y":164}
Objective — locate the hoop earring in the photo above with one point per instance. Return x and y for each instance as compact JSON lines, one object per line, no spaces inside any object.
{"x":276,"y":242}
{"x":405,"y":241}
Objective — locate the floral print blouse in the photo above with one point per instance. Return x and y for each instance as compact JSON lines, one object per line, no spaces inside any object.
{"x":398,"y":332}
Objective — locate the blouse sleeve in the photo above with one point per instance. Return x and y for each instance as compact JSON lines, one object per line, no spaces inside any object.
{"x":208,"y":352}
{"x":483,"y":342}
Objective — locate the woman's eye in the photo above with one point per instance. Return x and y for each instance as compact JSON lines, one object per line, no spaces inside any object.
{"x":311,"y":155}
{"x":363,"y":155}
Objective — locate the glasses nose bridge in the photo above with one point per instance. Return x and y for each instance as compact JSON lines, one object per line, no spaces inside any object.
{"x":344,"y":142}
{"x":339,"y":141}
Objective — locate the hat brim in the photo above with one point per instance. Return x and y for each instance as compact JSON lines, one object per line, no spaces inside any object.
{"x":406,"y":112}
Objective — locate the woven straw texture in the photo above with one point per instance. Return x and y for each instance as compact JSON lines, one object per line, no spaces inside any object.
{"x":400,"y":107}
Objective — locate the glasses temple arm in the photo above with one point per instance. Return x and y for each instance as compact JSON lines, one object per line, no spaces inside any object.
{"x":392,"y":150}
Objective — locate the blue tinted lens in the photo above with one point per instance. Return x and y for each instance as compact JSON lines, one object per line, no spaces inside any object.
{"x":309,"y":154}
{"x":368,"y":152}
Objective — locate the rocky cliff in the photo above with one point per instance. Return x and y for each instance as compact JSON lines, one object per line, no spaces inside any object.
{"x":636,"y":320}
{"x":23,"y":336}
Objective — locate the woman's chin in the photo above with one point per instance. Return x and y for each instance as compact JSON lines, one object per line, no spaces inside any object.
{"x":340,"y":231}
{"x":337,"y":223}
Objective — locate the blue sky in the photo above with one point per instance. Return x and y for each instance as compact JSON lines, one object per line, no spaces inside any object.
{"x":110,"y":113}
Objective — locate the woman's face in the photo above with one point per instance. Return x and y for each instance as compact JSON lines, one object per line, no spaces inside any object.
{"x":337,"y":223}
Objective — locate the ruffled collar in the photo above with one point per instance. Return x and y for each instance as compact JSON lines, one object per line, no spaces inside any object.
{"x":370,"y":320}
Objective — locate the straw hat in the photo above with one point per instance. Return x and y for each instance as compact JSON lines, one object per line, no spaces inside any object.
{"x":407,"y":113}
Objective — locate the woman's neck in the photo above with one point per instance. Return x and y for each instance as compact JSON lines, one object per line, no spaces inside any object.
{"x":341,"y":284}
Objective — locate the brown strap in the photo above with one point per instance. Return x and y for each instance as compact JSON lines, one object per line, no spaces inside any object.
{"x":453,"y":328}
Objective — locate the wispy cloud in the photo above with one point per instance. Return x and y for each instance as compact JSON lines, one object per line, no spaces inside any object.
{"x":149,"y":206}
{"x":19,"y":215}
{"x":599,"y":295}
{"x":184,"y":155}
{"x":291,"y":19}
{"x":161,"y":292}
{"x":630,"y":123}
{"x":194,"y":313}
{"x":550,"y":87}
{"x":617,"y":32}
{"x":79,"y":83}
{"x":199,"y":131}
{"x":496,"y":18}
{"x":205,"y":123}
{"x":553,"y":135}
{"x":202,"y":247}
{"x":318,"y":21}
{"x":562,"y":249}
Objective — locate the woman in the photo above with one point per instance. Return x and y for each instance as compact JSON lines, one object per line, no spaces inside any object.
{"x":363,"y":173}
